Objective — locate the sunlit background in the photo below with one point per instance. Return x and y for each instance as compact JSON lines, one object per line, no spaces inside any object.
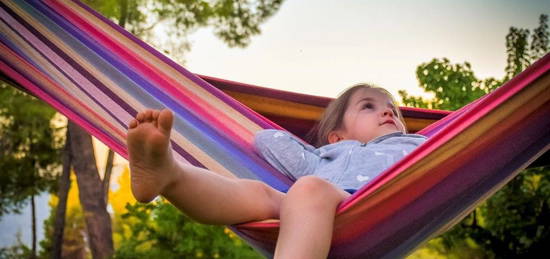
{"x":321,"y":47}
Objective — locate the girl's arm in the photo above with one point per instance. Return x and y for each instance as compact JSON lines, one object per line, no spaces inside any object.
{"x":287,"y":153}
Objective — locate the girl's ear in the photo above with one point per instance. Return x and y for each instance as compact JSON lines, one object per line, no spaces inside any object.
{"x":335,"y":136}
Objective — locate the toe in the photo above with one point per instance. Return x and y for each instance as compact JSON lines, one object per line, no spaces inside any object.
{"x":156,"y":114}
{"x":156,"y":117}
{"x":133,"y":123}
{"x":165,"y":120}
{"x":148,"y":115}
{"x":140,"y":116}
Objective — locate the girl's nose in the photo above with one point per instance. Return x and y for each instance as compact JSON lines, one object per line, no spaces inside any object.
{"x":388,"y":112}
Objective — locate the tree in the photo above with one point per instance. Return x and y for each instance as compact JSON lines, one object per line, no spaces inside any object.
{"x":454,"y":85}
{"x":92,"y":197}
{"x":29,"y":151}
{"x":514,"y":222}
{"x":74,"y":231}
{"x":233,"y":21}
{"x":64,"y":185}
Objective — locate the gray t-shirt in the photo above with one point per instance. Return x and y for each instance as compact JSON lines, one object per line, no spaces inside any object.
{"x":348,"y":164}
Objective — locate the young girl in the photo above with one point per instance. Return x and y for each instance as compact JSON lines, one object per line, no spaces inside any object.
{"x":360,"y":135}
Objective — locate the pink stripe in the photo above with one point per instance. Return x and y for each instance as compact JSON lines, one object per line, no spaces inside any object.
{"x":31,"y":38}
{"x":59,"y":106}
{"x":200,"y":107}
{"x":67,"y":69}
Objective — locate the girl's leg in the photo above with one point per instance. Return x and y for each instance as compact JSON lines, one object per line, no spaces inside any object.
{"x":203,"y":195}
{"x":210,"y":198}
{"x":307,"y":218}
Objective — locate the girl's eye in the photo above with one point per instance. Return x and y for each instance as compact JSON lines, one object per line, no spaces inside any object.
{"x":368,"y":106}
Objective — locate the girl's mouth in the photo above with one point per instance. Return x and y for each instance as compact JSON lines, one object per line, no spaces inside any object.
{"x":388,"y":121}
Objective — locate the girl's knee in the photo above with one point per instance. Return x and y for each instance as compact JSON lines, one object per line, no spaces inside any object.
{"x":311,"y":184}
{"x":315,"y":188}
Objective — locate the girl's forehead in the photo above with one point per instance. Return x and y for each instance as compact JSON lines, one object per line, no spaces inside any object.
{"x":369,"y":93}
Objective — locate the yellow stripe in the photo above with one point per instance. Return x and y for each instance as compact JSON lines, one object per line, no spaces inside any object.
{"x":170,"y":72}
{"x":54,"y":73}
{"x":198,"y":154}
{"x":415,"y":124}
{"x":272,"y":106}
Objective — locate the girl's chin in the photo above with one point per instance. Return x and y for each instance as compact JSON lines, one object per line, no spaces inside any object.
{"x":391,"y":132}
{"x":384,"y":133}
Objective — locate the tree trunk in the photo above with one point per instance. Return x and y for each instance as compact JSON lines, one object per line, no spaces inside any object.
{"x":62,"y":194}
{"x":107,"y":175}
{"x":90,"y":187}
{"x":33,"y":212}
{"x":123,"y":5}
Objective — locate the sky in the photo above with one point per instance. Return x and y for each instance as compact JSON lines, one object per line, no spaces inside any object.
{"x":322,"y":47}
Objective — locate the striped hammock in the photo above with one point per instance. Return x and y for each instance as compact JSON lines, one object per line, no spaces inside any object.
{"x":99,"y":76}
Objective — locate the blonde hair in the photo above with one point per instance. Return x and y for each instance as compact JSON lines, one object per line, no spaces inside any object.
{"x":333,"y":116}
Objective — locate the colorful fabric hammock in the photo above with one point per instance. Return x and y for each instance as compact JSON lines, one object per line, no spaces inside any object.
{"x":298,"y":113}
{"x":99,"y":76}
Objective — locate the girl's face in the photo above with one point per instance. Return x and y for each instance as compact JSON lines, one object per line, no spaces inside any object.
{"x":370,"y":114}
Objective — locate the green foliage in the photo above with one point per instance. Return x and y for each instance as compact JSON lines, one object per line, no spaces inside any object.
{"x":541,"y":36}
{"x":236,"y":21}
{"x":29,"y":149}
{"x":159,"y":230}
{"x":520,"y":55}
{"x":514,"y":223}
{"x":233,"y":21}
{"x":454,"y":85}
{"x":517,"y":48}
{"x":73,"y":234}
{"x":436,"y":248}
{"x":519,"y":215}
{"x":15,"y":252}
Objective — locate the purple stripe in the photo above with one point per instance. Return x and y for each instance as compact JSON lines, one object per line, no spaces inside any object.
{"x":71,"y":62}
{"x":10,"y":44}
{"x":423,"y":114}
{"x":186,"y":155}
{"x":214,"y":91}
{"x":222,"y":145}
{"x":100,"y":86}
{"x":267,"y":92}
{"x":97,"y":83}
{"x":318,"y":101}
{"x":200,"y":131}
{"x":51,"y":45}
{"x":53,"y":96}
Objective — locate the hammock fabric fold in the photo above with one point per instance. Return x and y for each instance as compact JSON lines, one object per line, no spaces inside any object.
{"x":298,"y":113}
{"x":99,"y":76}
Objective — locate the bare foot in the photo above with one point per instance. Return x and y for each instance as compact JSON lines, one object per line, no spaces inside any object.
{"x":150,"y":154}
